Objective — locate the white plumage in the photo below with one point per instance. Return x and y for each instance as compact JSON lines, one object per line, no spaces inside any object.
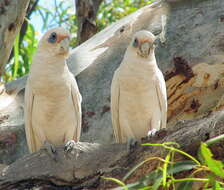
{"x":52,"y":98}
{"x":138,"y":91}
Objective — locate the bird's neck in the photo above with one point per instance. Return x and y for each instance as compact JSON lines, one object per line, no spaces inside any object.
{"x":132,"y":59}
{"x":53,"y":61}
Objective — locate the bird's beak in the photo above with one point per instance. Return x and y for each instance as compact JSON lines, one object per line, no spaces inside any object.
{"x":61,"y":37}
{"x":64,"y":43}
{"x":145,"y":48}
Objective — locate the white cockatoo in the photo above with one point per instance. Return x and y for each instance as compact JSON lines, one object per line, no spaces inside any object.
{"x":52,"y":98}
{"x":138,"y":92}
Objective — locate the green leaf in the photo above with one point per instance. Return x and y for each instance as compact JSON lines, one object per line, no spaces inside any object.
{"x":181,"y":166}
{"x":116,"y":181}
{"x":215,"y":166}
{"x":186,"y":185}
{"x":157,"y":184}
{"x":164,"y":145}
{"x":165,"y":166}
{"x":16,"y":57}
{"x":139,"y":165}
{"x":175,"y":168}
{"x":151,"y":177}
{"x":215,"y":139}
{"x":132,"y":186}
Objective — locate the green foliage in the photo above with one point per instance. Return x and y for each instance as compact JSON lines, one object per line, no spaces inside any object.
{"x":19,"y":64}
{"x":119,"y":182}
{"x":215,"y":166}
{"x":165,"y":176}
{"x":111,"y":11}
{"x":63,"y":14}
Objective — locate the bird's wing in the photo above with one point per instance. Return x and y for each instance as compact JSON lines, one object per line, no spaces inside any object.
{"x":115,"y":96}
{"x":77,"y":99}
{"x":161,"y":93}
{"x":29,"y":99}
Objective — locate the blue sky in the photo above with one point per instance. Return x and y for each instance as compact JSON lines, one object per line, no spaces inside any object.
{"x":36,"y":19}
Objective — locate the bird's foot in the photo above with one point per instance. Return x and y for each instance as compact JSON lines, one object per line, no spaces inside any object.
{"x":51,"y":150}
{"x":131,"y":144}
{"x":152,"y":133}
{"x":69,"y":146}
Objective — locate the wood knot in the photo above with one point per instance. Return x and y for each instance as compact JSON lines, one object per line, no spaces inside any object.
{"x":105,"y":109}
{"x":195,"y":105}
{"x":206,"y":137}
{"x":182,"y":67}
{"x":90,"y":114}
{"x":11,"y":27}
{"x":7,"y":2}
{"x":206,"y":76}
{"x":221,"y":18}
{"x":216,"y":84}
{"x":122,"y":29}
{"x":85,"y":124}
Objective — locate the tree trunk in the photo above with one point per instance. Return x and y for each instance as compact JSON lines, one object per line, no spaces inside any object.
{"x":84,"y":166}
{"x":12,"y":14}
{"x":86,"y":11}
{"x":31,"y":7}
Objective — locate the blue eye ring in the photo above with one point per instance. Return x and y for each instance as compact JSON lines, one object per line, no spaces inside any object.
{"x":53,"y":38}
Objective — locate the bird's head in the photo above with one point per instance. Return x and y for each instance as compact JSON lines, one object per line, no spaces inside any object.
{"x":56,"y":41}
{"x":143,"y":44}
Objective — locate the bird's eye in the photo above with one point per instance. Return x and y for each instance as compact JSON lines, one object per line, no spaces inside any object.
{"x":53,"y":38}
{"x":135,"y":43}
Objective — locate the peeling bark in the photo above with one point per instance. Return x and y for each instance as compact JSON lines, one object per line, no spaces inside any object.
{"x":12,"y":14}
{"x":196,"y":96}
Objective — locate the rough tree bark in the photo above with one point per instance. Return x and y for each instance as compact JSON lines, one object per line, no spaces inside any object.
{"x":12,"y":14}
{"x":31,"y":7}
{"x":193,"y":47}
{"x":83,"y":167}
{"x":86,"y":11}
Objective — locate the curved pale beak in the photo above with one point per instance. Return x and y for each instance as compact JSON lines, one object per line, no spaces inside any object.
{"x":145,"y":48}
{"x":64,"y":43}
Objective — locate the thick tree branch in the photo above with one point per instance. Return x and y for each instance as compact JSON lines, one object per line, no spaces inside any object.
{"x":83,"y":167}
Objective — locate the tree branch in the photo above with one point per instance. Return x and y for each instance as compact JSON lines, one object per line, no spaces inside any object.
{"x":84,"y":166}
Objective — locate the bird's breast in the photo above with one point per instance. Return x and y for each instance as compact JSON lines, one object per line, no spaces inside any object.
{"x":136,"y":84}
{"x":51,"y":86}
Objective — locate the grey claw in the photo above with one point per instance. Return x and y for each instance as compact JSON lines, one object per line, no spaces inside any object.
{"x":51,"y":150}
{"x":69,"y":146}
{"x":152,"y":133}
